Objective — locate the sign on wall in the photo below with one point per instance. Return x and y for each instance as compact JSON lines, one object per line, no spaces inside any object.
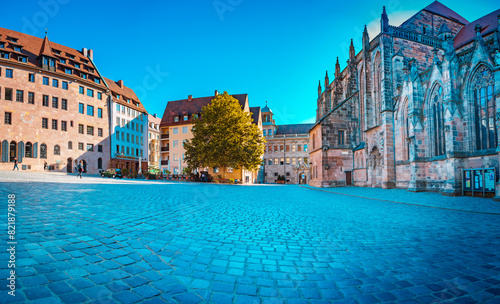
{"x":479,"y":180}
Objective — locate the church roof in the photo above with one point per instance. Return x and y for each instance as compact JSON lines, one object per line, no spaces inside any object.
{"x":438,"y":8}
{"x":467,"y":34}
{"x":294,"y":129}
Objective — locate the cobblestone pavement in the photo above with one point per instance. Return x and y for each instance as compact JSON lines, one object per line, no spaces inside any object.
{"x":117,"y":241}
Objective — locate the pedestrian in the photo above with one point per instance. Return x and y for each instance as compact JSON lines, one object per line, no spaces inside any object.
{"x":76,"y":166}
{"x":15,"y":165}
{"x":80,"y":169}
{"x":44,"y":166}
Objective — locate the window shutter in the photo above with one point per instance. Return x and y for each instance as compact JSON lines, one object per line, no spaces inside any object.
{"x":5,"y":151}
{"x":35,"y":150}
{"x":20,"y":151}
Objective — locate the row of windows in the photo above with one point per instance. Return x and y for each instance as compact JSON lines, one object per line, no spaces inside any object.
{"x":155,"y":136}
{"x":134,"y":126}
{"x":129,"y":151}
{"x":175,"y":130}
{"x":30,"y":150}
{"x":45,"y":81}
{"x":286,"y":161}
{"x":20,"y":97}
{"x":129,"y":138}
{"x":9,"y":73}
{"x":90,"y":110}
{"x":175,"y":143}
{"x":279,"y":148}
{"x":128,"y":111}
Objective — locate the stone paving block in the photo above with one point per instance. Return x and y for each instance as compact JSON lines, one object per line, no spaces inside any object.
{"x":37,"y":292}
{"x":188,"y":298}
{"x":127,"y":297}
{"x":146,"y":291}
{"x":60,"y":288}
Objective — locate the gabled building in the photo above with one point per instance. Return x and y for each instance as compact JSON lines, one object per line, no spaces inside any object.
{"x":415,"y":108}
{"x":53,"y":106}
{"x":175,"y":129}
{"x":128,"y":127}
{"x":154,"y":142}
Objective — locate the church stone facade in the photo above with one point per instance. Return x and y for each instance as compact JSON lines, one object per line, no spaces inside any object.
{"x":414,"y":107}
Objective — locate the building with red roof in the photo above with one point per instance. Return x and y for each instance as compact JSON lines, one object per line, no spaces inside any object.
{"x":415,"y":108}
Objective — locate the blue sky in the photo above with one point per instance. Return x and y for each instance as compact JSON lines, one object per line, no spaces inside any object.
{"x":275,"y":51}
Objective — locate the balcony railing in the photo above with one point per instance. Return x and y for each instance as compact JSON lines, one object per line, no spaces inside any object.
{"x":165,"y":149}
{"x":164,"y":136}
{"x":164,"y":162}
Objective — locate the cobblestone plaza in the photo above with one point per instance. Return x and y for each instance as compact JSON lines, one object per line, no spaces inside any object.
{"x":120,"y":241}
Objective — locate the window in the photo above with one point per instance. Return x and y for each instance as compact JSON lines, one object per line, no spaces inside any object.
{"x":22,"y":58}
{"x":282,"y":161}
{"x":185,"y":117}
{"x":99,"y":132}
{"x":90,"y":130}
{"x":31,"y":77}
{"x":55,"y":102}
{"x":437,"y":118}
{"x":99,"y":148}
{"x":62,"y":60}
{"x":90,"y":110}
{"x":68,"y":71}
{"x":8,"y":94}
{"x":230,"y":169}
{"x":305,"y":160}
{"x":80,"y":146}
{"x":97,"y":80}
{"x":176,"y":131}
{"x":81,"y":108}
{"x":184,"y":130}
{"x":64,"y":125}
{"x":276,"y":161}
{"x":128,"y":150}
{"x":80,"y":128}
{"x":287,"y":148}
{"x":176,"y":157}
{"x":31,"y":98}
{"x":19,"y":96}
{"x":117,"y":135}
{"x":128,"y":137}
{"x":45,"y":123}
{"x":99,"y":95}
{"x":294,"y":161}
{"x":90,"y":93}
{"x":133,"y":125}
{"x":57,"y":150}
{"x":83,"y":75}
{"x":484,"y":109}
{"x":64,"y":104}
{"x":81,"y":90}
{"x":45,"y":100}
{"x":275,"y":148}
{"x":43,"y":151}
{"x":55,"y":83}
{"x":9,"y":73}
{"x":28,"y":150}
{"x":299,"y":148}
{"x":118,"y":121}
{"x":65,"y":85}
{"x":90,"y":147}
{"x":54,"y":124}
{"x":46,"y":80}
{"x":287,"y":161}
{"x":341,"y":138}
{"x":176,"y":143}
{"x":8,"y":118}
{"x":264,"y":133}
{"x":70,"y":145}
{"x":176,"y":118}
{"x":216,"y":169}
{"x":305,"y":148}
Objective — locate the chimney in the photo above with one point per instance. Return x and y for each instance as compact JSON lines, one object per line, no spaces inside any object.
{"x":120,"y":83}
{"x":216,"y":92}
{"x":91,"y":54}
{"x":154,"y":115}
{"x":190,"y":97}
{"x":85,"y":52}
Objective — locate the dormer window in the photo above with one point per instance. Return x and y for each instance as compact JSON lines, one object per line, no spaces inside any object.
{"x":176,"y":118}
{"x":18,"y":49}
{"x":84,"y":76}
{"x":22,"y":59}
{"x":128,"y":100}
{"x":97,"y":80}
{"x":57,"y":52}
{"x":117,"y":96}
{"x":68,"y":71}
{"x":77,"y":65}
{"x":52,"y":63}
{"x":4,"y":55}
{"x":2,"y":45}
{"x":71,"y":56}
{"x":12,"y":39}
{"x":186,"y":117}
{"x":63,"y":61}
{"x":195,"y":116}
{"x":84,"y":61}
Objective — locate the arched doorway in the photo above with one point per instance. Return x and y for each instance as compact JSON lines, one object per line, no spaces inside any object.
{"x":69,"y":165}
{"x":12,"y":151}
{"x":84,"y":166}
{"x":303,"y":179}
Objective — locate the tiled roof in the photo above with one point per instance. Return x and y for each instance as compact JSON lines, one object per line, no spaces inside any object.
{"x":255,"y":114}
{"x":189,"y":107}
{"x":294,"y":129}
{"x":125,"y":93}
{"x":33,"y":47}
{"x":467,"y":34}
{"x":437,"y":7}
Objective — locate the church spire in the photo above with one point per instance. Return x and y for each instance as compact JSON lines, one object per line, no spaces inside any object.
{"x":352,"y":53}
{"x":366,"y":40}
{"x":337,"y":69}
{"x":384,"y":22}
{"x":46,"y":49}
{"x":327,"y":80}
{"x":319,"y":89}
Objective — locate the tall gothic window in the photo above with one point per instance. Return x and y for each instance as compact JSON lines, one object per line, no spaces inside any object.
{"x":377,"y":66}
{"x":484,"y":109}
{"x":438,"y":121}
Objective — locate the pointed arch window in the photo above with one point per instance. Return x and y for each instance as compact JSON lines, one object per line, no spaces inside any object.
{"x":377,"y":95}
{"x":437,"y":130}
{"x":28,"y":150}
{"x":484,"y":109}
{"x":406,"y":122}
{"x":43,"y":151}
{"x":57,"y":150}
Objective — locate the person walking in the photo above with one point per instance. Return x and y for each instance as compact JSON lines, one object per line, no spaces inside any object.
{"x":44,"y":166}
{"x":15,"y":165}
{"x":80,"y":169}
{"x":76,"y":166}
